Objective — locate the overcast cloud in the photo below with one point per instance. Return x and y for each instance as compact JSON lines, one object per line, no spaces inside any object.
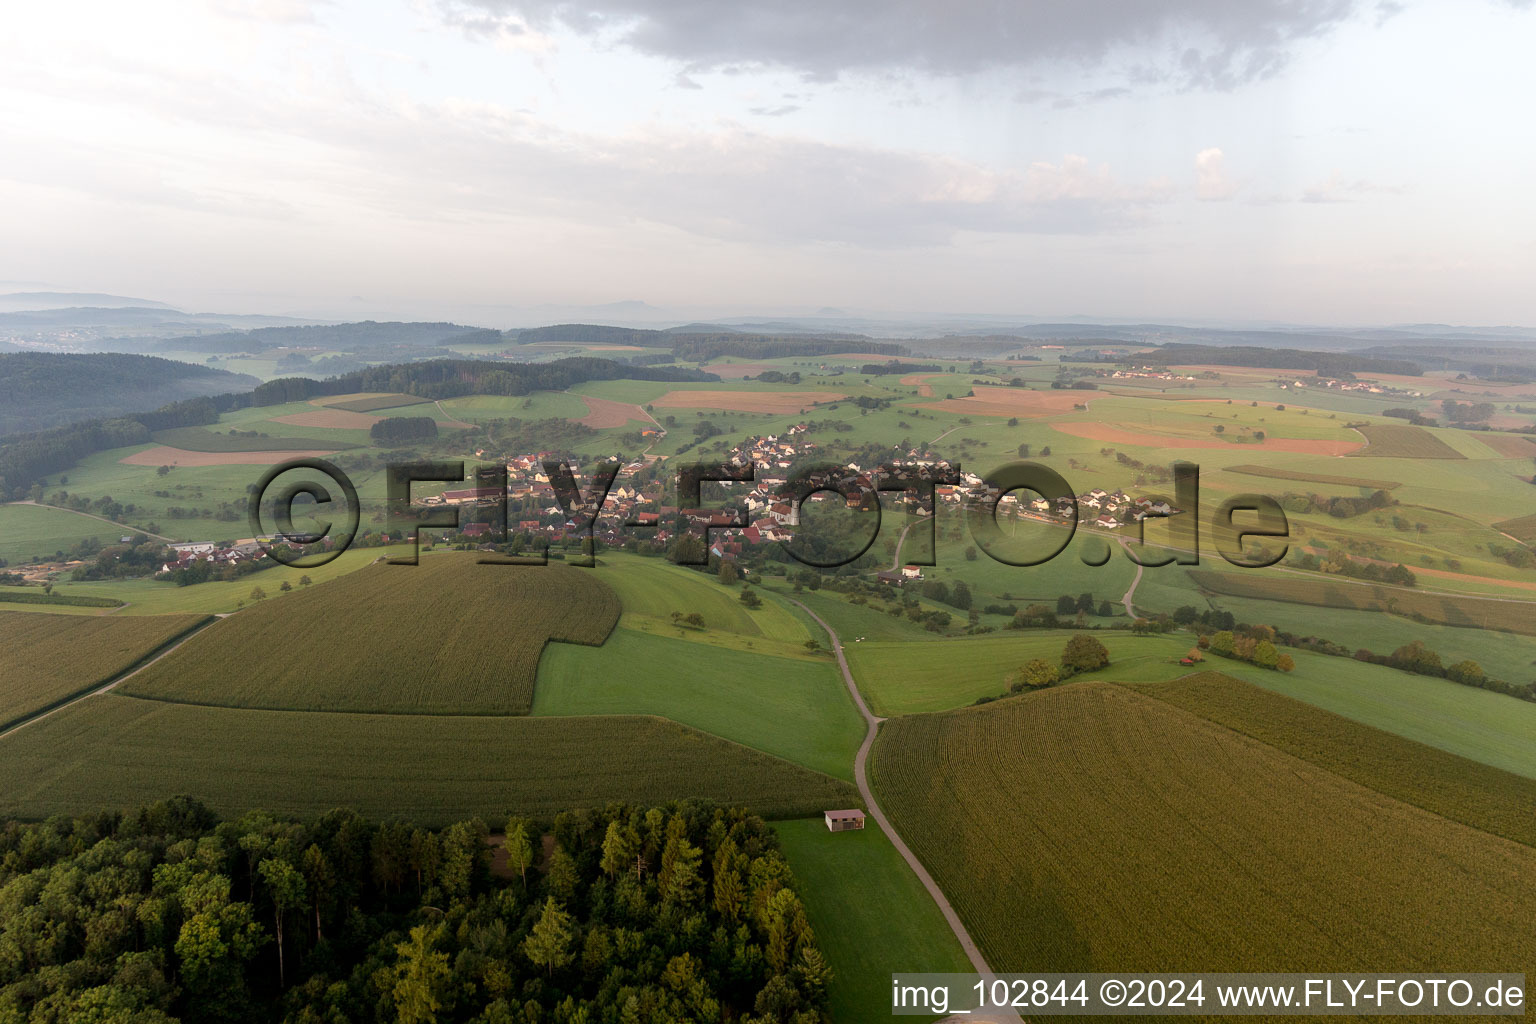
{"x":1205,"y":42}
{"x":1306,"y":161}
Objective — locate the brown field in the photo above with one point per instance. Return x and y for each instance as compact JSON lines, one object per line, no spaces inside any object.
{"x":602,"y":412}
{"x":1010,"y":402}
{"x":163,"y":456}
{"x":781,"y":402}
{"x":339,"y":419}
{"x":1512,"y":446}
{"x":362,"y":396}
{"x":614,"y":348}
{"x":1123,"y":435}
{"x":921,"y":380}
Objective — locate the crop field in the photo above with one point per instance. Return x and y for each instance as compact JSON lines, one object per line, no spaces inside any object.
{"x":870,"y":913}
{"x":1275,"y":473}
{"x":201,"y":439}
{"x":1447,"y":610}
{"x":51,"y":658}
{"x":1131,"y":835}
{"x":122,"y":752}
{"x":447,"y":636}
{"x":1402,"y":441}
{"x":28,"y":531}
{"x":1453,"y":787}
{"x":903,"y":678}
{"x":369,"y":403}
{"x":1522,"y":529}
{"x":794,"y":708}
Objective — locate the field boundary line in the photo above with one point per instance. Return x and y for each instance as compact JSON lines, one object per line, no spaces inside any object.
{"x":861,"y":779}
{"x":149,"y":658}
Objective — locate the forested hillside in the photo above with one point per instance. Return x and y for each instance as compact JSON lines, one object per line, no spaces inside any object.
{"x":26,"y":457}
{"x":48,"y":389}
{"x":679,"y":913}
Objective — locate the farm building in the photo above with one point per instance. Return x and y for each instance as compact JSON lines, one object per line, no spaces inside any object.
{"x":844,"y":821}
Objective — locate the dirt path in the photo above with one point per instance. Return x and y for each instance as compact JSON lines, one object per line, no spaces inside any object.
{"x":99,"y":519}
{"x":115,"y":681}
{"x":942,"y":436}
{"x":1130,"y":592}
{"x":861,"y":777}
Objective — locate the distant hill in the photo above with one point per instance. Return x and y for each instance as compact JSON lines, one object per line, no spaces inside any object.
{"x":363,"y":336}
{"x":39,"y":390}
{"x":1280,"y":358}
{"x":12,"y":302}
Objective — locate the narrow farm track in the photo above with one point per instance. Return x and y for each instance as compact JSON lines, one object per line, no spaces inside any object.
{"x":1130,"y":592}
{"x":861,"y":778}
{"x":116,"y":680}
{"x":99,"y":519}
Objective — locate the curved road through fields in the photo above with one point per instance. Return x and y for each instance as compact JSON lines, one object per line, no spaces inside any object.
{"x":861,"y":778}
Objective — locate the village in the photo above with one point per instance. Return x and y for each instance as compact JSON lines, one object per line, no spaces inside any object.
{"x":754,"y":514}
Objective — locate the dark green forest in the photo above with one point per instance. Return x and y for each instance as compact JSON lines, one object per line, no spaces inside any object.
{"x":684,"y":913}
{"x":397,"y":430}
{"x":47,"y":389}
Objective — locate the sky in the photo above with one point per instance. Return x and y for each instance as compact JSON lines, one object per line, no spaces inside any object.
{"x":1340,"y":162}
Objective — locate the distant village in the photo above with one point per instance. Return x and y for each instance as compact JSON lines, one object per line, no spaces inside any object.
{"x":759,"y":514}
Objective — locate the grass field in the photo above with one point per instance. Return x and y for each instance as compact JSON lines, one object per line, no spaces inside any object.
{"x":653,"y":588}
{"x":447,"y":636}
{"x":1453,"y":787}
{"x":796,"y":709}
{"x":1273,"y":473}
{"x":201,"y":439}
{"x":903,"y":678}
{"x":122,"y":752}
{"x":870,"y":913}
{"x":1402,"y":441}
{"x":1479,"y":725}
{"x":1505,"y":615}
{"x":50,"y":658}
{"x":1131,"y":835}
{"x":28,"y":531}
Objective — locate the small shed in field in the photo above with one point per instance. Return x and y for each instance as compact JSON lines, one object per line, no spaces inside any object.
{"x":844,"y":821}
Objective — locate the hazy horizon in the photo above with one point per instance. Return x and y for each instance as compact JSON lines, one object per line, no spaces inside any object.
{"x":1337,"y":163}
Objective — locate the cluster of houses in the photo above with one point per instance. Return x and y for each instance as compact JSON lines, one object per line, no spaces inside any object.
{"x":761,"y":513}
{"x":1150,"y":375}
{"x":184,"y":556}
{"x":1364,"y":387}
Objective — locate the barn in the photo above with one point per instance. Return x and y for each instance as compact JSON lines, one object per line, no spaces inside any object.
{"x":844,"y":821}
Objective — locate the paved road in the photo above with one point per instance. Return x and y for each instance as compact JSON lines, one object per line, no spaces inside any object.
{"x":861,"y":777}
{"x":114,"y":682}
